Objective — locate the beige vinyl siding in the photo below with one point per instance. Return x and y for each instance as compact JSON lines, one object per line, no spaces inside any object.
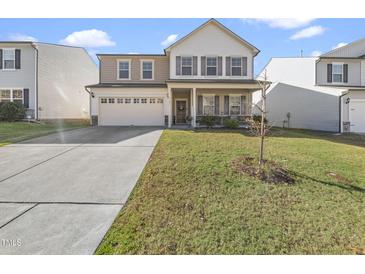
{"x":109,"y":69}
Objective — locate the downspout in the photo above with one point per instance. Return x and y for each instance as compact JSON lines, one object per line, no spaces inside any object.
{"x":340,"y":114}
{"x":91,"y":95}
{"x":36,"y":81}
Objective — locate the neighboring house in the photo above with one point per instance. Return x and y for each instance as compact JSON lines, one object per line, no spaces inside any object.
{"x":294,"y":100}
{"x":209,"y":72}
{"x":344,"y":67}
{"x":47,"y":79}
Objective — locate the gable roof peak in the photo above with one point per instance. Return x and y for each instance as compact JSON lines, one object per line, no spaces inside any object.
{"x":221,"y":26}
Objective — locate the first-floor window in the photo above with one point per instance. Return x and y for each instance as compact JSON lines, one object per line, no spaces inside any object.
{"x":208,"y":105}
{"x":11,"y":95}
{"x":234,"y":105}
{"x":337,"y":71}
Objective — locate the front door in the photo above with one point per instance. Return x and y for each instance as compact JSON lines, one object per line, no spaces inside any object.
{"x":181,"y":111}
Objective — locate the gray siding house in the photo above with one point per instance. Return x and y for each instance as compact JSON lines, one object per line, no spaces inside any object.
{"x":47,"y":79}
{"x":345,"y":68}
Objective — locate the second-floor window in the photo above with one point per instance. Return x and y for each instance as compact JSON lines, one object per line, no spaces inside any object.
{"x":8,"y":58}
{"x":147,"y":70}
{"x":124,"y":70}
{"x":186,"y":65}
{"x":236,"y":66}
{"x":337,"y":73}
{"x":211,"y":66}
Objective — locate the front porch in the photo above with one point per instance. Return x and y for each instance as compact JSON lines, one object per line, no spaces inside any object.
{"x":190,"y":105}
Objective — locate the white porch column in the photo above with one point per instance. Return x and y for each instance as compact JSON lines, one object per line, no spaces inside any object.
{"x":170,"y":107}
{"x":193,"y":110}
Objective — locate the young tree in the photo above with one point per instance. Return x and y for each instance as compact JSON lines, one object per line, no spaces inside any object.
{"x":264,"y":86}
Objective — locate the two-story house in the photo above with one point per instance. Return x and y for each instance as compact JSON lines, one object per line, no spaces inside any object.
{"x":49,"y":80}
{"x":344,"y":68}
{"x":209,"y":72}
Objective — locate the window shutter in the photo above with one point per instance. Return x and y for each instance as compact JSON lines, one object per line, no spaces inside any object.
{"x":244,"y":66}
{"x":17,"y":59}
{"x":226,"y":105}
{"x":1,"y":59}
{"x":203,"y":65}
{"x":178,"y":65}
{"x":329,"y":73}
{"x":243,"y":105}
{"x":195,"y":65}
{"x":26,"y":97}
{"x":345,"y":73}
{"x":200,"y":105}
{"x":228,"y":66}
{"x":220,"y":66}
{"x":216,"y":105}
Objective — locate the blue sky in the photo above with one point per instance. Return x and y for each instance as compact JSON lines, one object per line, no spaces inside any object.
{"x":274,"y":37}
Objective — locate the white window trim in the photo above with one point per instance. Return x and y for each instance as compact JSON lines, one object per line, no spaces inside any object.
{"x":216,"y":66}
{"x":192,"y":65}
{"x":338,"y":64}
{"x":235,"y":66}
{"x":209,"y":95}
{"x":153,"y":69}
{"x":229,"y":109}
{"x":12,"y":69}
{"x":11,"y":93}
{"x":129,"y":68}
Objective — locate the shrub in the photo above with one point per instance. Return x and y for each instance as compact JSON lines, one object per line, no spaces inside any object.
{"x":257,"y":118}
{"x":11,"y":111}
{"x":231,"y":123}
{"x":208,"y":120}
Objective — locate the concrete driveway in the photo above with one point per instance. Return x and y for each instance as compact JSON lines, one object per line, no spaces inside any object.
{"x":60,"y":193}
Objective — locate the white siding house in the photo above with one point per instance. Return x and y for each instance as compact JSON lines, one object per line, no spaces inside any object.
{"x":295,"y":101}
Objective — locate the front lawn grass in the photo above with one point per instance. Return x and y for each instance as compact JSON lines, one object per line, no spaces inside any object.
{"x":190,"y":201}
{"x":12,"y":132}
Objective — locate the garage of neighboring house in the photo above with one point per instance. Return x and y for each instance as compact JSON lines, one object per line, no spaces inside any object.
{"x":357,"y":115}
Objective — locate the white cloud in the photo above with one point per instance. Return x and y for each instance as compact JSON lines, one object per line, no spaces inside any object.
{"x":169,"y":40}
{"x":316,"y":53}
{"x":339,"y":45}
{"x":308,"y":32}
{"x":22,"y":37}
{"x":92,"y":38}
{"x":282,"y":23}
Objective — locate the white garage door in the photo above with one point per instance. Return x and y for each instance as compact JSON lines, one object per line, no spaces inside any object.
{"x":357,"y":115}
{"x":124,"y":111}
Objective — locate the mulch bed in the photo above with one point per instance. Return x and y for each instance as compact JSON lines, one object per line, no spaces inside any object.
{"x":271,"y":172}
